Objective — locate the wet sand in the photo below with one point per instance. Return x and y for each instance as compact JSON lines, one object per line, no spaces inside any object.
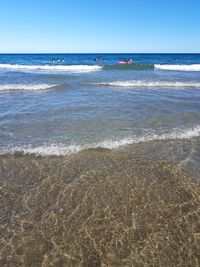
{"x":100,"y":208}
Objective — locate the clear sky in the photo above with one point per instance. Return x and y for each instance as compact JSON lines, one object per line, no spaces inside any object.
{"x":99,"y":26}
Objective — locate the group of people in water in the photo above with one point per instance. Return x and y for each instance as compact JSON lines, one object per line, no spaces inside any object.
{"x":125,"y":61}
{"x":122,"y":61}
{"x":56,"y":60}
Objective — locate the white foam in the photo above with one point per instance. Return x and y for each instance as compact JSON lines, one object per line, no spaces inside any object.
{"x":149,"y":84}
{"x":192,"y":67}
{"x":72,"y":68}
{"x":54,"y":149}
{"x":175,"y":134}
{"x":34,"y":87}
{"x":59,"y":149}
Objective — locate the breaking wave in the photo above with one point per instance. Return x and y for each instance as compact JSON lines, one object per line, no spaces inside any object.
{"x":192,"y":67}
{"x":72,"y":68}
{"x":60,"y":149}
{"x":89,"y":68}
{"x":149,"y":84}
{"x":34,"y":87}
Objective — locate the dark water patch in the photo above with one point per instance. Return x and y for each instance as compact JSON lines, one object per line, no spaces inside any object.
{"x":98,"y":208}
{"x":129,"y":67}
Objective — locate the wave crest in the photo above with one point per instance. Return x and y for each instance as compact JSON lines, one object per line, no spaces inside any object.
{"x":149,"y":84}
{"x":34,"y":87}
{"x":59,"y":149}
{"x":73,"y":68}
{"x":192,"y":67}
{"x":89,"y":68}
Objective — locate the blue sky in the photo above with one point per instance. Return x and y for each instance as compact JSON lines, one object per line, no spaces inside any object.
{"x":99,"y":26}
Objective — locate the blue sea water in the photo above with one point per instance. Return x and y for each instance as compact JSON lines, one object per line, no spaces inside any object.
{"x":56,"y":104}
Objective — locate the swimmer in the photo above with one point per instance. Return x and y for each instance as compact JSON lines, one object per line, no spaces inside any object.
{"x":98,"y":58}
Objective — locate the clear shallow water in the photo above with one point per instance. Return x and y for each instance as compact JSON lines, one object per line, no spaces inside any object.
{"x":137,"y":205}
{"x":99,"y":207}
{"x":80,"y":103}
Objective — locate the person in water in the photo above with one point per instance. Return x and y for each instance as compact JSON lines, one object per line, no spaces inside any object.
{"x":129,"y":60}
{"x":125,"y":61}
{"x":98,"y":58}
{"x":54,"y":60}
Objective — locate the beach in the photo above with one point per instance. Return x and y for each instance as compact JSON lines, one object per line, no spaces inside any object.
{"x":99,"y":163}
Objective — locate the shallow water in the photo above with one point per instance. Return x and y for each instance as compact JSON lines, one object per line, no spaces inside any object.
{"x":99,"y":163}
{"x":80,"y":103}
{"x":102,"y":208}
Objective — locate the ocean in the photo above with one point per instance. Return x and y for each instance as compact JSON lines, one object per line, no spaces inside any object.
{"x":99,"y":161}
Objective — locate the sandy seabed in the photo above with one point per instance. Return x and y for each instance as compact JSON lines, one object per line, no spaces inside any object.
{"x":98,"y":208}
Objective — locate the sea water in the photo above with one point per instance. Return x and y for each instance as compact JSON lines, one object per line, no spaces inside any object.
{"x":99,"y":162}
{"x":49,"y":107}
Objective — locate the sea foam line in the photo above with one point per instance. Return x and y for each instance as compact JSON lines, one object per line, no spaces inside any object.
{"x":60,"y":149}
{"x":192,"y":67}
{"x":33,"y":87}
{"x":149,"y":84}
{"x":73,"y":68}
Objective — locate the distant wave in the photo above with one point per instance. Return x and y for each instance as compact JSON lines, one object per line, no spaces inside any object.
{"x":73,"y":68}
{"x":192,"y":67}
{"x":34,"y":87}
{"x":89,"y":68}
{"x":149,"y":84}
{"x":59,"y":149}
